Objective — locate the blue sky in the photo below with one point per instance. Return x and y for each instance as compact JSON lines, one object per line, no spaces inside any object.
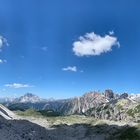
{"x":64,"y":48}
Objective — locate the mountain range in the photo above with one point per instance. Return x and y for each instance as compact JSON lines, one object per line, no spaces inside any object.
{"x":106,"y":105}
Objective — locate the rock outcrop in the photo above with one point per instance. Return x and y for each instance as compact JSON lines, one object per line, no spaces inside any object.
{"x":80,"y":105}
{"x":6,"y":113}
{"x":124,"y":95}
{"x":109,"y":94}
{"x":118,"y":109}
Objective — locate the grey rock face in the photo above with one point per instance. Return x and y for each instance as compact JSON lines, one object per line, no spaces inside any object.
{"x":118,"y":109}
{"x":109,"y":94}
{"x":6,"y":113}
{"x":124,"y":95}
{"x":81,"y":104}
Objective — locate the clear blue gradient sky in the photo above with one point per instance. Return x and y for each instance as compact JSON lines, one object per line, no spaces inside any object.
{"x":41,"y":35}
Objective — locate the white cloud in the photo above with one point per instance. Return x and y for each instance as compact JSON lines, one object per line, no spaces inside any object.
{"x":69,"y":68}
{"x":111,"y":32}
{"x":3,"y":61}
{"x":93,"y":44}
{"x":3,"y":41}
{"x":17,"y":85}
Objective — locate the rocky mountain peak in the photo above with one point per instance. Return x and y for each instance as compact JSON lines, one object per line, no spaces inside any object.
{"x":29,"y":97}
{"x":124,"y":95}
{"x":91,"y":94}
{"x":109,"y":94}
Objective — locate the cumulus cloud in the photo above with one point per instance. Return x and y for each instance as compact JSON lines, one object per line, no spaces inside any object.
{"x":70,"y":68}
{"x":3,"y":41}
{"x":17,"y":85}
{"x":3,"y":61}
{"x":92,"y":44}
